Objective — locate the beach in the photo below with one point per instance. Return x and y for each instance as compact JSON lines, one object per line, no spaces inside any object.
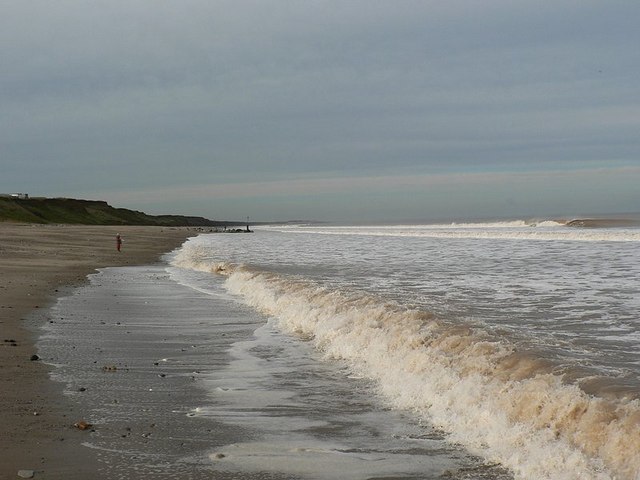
{"x":37,"y":264}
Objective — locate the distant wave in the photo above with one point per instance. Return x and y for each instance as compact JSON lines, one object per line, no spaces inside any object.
{"x":506,"y":405}
{"x":478,"y":225}
{"x":508,"y":230}
{"x":502,"y":224}
{"x":604,"y":223}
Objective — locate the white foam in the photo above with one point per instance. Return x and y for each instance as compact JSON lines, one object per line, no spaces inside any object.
{"x":535,"y":425}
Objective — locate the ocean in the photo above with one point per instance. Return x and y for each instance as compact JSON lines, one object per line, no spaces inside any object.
{"x":487,"y":351}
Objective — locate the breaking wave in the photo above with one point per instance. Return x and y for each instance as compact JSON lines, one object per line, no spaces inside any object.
{"x":509,"y":230}
{"x":506,"y":405}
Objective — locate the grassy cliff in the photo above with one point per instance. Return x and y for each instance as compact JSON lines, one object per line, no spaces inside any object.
{"x":88,"y":212}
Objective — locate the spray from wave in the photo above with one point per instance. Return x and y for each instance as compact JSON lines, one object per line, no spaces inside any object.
{"x":506,"y":405}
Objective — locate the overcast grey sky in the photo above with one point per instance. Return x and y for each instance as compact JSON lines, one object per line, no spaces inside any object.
{"x":329,"y":110}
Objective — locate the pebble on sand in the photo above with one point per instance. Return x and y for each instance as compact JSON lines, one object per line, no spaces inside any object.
{"x":82,"y":425}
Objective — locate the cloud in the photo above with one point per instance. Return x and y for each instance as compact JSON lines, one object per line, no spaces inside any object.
{"x":389,"y":183}
{"x":141,"y":95}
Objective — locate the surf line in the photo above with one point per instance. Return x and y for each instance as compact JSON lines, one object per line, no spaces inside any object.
{"x":497,"y":402}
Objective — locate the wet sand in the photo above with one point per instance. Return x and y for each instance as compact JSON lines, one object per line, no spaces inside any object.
{"x":37,"y":262}
{"x":133,"y":350}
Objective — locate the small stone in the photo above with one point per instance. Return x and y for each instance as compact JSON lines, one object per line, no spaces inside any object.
{"x":25,"y":473}
{"x":82,"y":389}
{"x":82,"y":425}
{"x":35,"y":358}
{"x":219,"y":455}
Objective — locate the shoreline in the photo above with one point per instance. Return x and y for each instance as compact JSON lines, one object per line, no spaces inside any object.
{"x":38,"y":263}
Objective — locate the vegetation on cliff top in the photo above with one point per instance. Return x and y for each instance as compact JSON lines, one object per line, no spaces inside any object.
{"x":89,"y":212}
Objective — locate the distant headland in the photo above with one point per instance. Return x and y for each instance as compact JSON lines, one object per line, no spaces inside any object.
{"x":21,"y":208}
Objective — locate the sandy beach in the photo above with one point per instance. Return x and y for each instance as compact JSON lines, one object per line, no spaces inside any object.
{"x":37,"y":263}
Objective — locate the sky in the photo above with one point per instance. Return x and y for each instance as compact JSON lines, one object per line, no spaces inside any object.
{"x":350,"y":110}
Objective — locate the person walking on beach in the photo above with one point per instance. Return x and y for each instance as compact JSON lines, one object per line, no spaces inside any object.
{"x":118,"y":241}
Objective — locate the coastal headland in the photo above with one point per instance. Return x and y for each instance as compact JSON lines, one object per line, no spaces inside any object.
{"x":37,"y":262}
{"x":90,"y":212}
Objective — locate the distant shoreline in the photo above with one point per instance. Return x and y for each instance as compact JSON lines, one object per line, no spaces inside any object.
{"x":71,"y":211}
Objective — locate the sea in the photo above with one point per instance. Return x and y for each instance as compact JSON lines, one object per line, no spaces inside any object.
{"x":490,"y":350}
